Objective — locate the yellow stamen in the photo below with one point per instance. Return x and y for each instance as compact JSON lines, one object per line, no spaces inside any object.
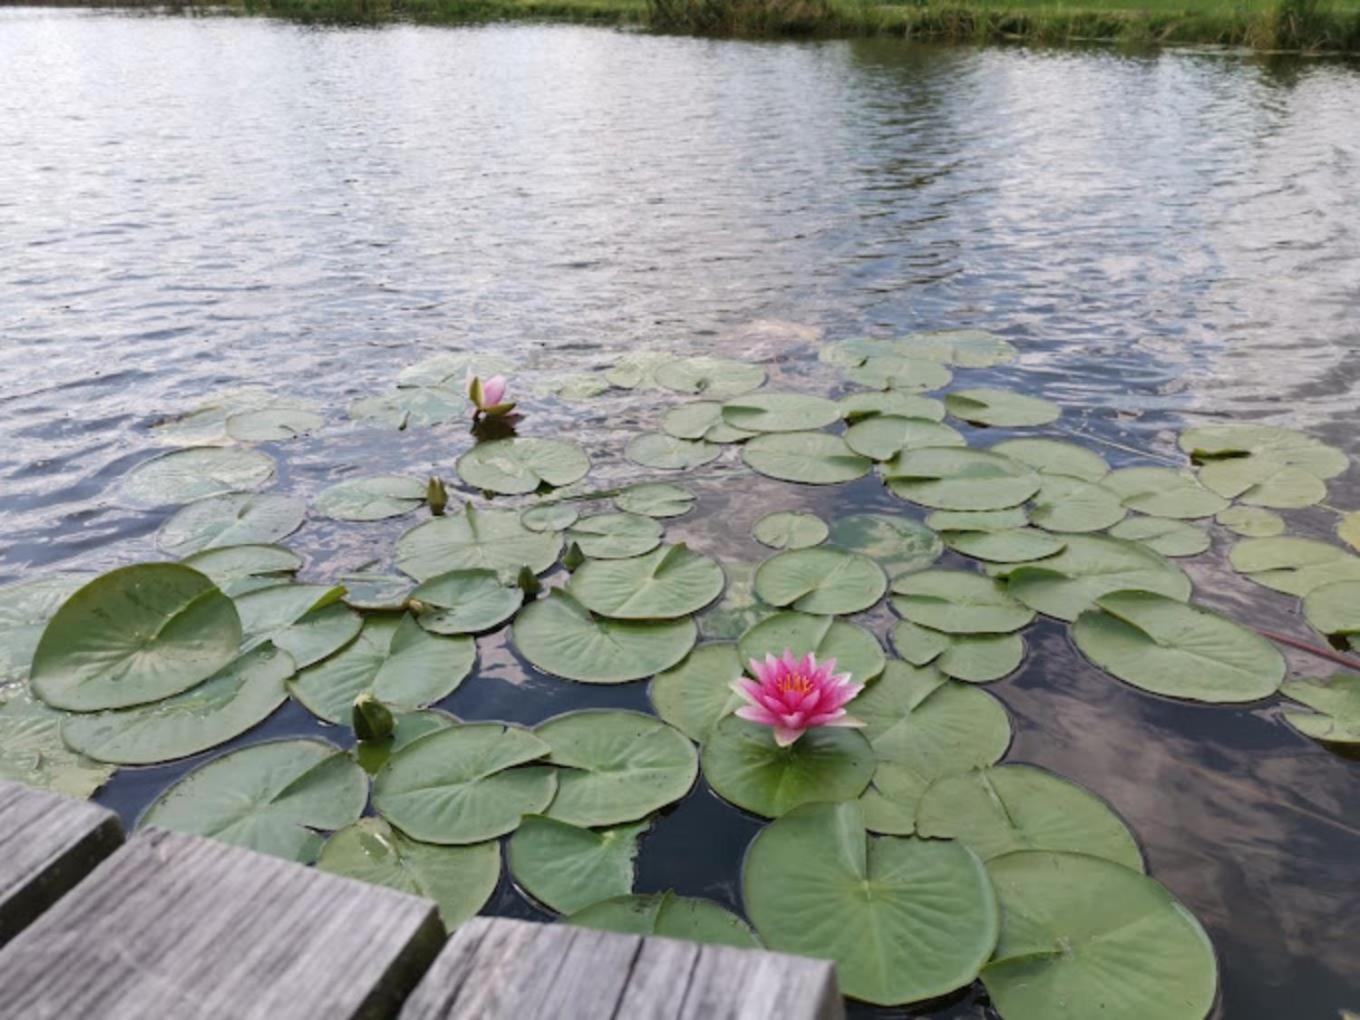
{"x":794,"y":683}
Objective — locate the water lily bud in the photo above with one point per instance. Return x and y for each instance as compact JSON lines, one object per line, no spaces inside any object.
{"x":437,"y":496}
{"x":528,"y":583}
{"x":371,"y":719}
{"x":573,"y":557}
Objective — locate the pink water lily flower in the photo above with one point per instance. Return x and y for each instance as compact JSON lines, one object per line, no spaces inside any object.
{"x":488,"y":397}
{"x":793,"y":695}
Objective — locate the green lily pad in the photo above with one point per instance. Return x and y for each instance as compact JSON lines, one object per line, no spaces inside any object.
{"x":666,"y":453}
{"x":855,"y":650}
{"x":738,"y":610}
{"x":135,"y":635}
{"x":305,"y":620}
{"x":1225,"y":443}
{"x":790,"y":529}
{"x":1055,"y":457}
{"x":394,"y":659}
{"x":238,"y":698}
{"x":710,"y":377}
{"x":235,"y":519}
{"x":905,"y":920}
{"x":33,"y":753}
{"x":183,"y":476}
{"x":568,"y":868}
{"x":696,"y":694}
{"x":476,"y":539}
{"x":376,"y":591}
{"x":1003,"y":408}
{"x":550,"y":516}
{"x":517,"y":466}
{"x":968,"y":348}
{"x":272,"y":424}
{"x":460,"y":879}
{"x":370,"y":499}
{"x":780,"y":412}
{"x":1335,"y":718}
{"x":889,"y":804}
{"x":615,"y":536}
{"x":813,"y":458}
{"x":1347,"y":529}
{"x":669,"y":916}
{"x":1004,"y":808}
{"x":25,"y":609}
{"x":655,"y":499}
{"x":466,"y":602}
{"x":1018,"y":545}
{"x":465,"y":784}
{"x":572,"y":385}
{"x":745,"y":767}
{"x":409,"y":727}
{"x":857,"y":406}
{"x":1070,"y":505}
{"x":857,"y":350}
{"x":615,"y":766}
{"x":669,"y":582}
{"x":562,"y":637}
{"x":884,"y":436}
{"x":1083,"y":937}
{"x":636,"y":370}
{"x":1009,"y":519}
{"x":1334,"y":609}
{"x":1167,"y":647}
{"x":1166,"y":536}
{"x":1261,"y":481}
{"x":1251,"y":521}
{"x":1292,"y":565}
{"x":410,"y":408}
{"x":899,"y":372}
{"x":974,"y":658}
{"x":949,"y":478}
{"x":450,"y":369}
{"x":959,"y":602}
{"x":1066,"y":585}
{"x":1163,"y":492}
{"x":274,"y":798}
{"x":702,"y":419}
{"x":820,"y":580}
{"x":232,"y":567}
{"x":899,"y":545}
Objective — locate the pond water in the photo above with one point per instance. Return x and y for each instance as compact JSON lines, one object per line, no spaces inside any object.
{"x":193,"y":205}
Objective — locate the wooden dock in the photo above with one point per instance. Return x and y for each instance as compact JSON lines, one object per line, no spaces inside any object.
{"x":175,"y":926}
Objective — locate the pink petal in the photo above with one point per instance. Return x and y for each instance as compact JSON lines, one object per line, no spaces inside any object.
{"x":747,"y":689}
{"x":789,"y":660}
{"x":752,"y":713}
{"x":807,"y":665}
{"x":784,"y":736}
{"x":493,"y":390}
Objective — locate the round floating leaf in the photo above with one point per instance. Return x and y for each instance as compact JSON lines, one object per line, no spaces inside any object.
{"x":1019,"y":545}
{"x":615,"y":536}
{"x":780,"y":412}
{"x":711,"y":377}
{"x":906,"y":405}
{"x":1224,"y":443}
{"x":669,"y":582}
{"x":745,"y":766}
{"x":1335,"y":718}
{"x":900,"y":545}
{"x":466,"y":602}
{"x":636,"y":369}
{"x":231,"y":566}
{"x":889,"y":803}
{"x":884,"y":436}
{"x":305,"y":620}
{"x":1334,"y":609}
{"x":697,"y":693}
{"x":560,"y":636}
{"x":655,"y":499}
{"x":572,"y":385}
{"x":376,"y":591}
{"x":476,"y":539}
{"x":857,"y":350}
{"x":465,"y":784}
{"x":516,"y":466}
{"x":242,"y":695}
{"x":1347,"y":529}
{"x":33,"y":753}
{"x":1294,"y":566}
{"x":568,"y":868}
{"x":1168,"y":647}
{"x":135,"y":635}
{"x":904,"y":919}
{"x":274,"y":798}
{"x":1085,"y":937}
{"x":451,"y":369}
{"x":667,"y":915}
{"x":960,"y":479}
{"x":410,"y":727}
{"x":958,"y":602}
{"x":702,"y":419}
{"x":1163,"y":492}
{"x":1019,"y":807}
{"x":968,"y":348}
{"x":460,"y":879}
{"x":821,"y":580}
{"x":1251,"y":522}
{"x":272,"y":424}
{"x":855,"y":650}
{"x":1261,"y":481}
{"x":550,"y":516}
{"x":790,"y":529}
{"x":1054,"y":457}
{"x":738,"y":610}
{"x":1168,"y":537}
{"x":25,"y":609}
{"x":1069,"y":583}
{"x":395,"y":660}
{"x":814,"y":458}
{"x":183,"y":476}
{"x":370,"y":499}
{"x":974,"y":658}
{"x":1002,"y":408}
{"x":896,"y":372}
{"x":235,"y":519}
{"x":666,"y":453}
{"x":615,"y":766}
{"x":415,"y":407}
{"x":1071,"y":505}
{"x":1009,"y":519}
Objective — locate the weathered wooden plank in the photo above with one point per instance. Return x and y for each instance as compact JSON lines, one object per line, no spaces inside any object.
{"x":499,"y":969}
{"x":177,"y":926}
{"x":48,"y":843}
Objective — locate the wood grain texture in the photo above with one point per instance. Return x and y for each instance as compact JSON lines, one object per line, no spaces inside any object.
{"x":175,"y":926}
{"x":48,"y":843}
{"x":499,"y":969}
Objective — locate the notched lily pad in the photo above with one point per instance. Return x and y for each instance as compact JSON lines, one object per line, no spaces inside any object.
{"x":183,"y":476}
{"x":790,"y":529}
{"x":518,"y":466}
{"x":370,"y":499}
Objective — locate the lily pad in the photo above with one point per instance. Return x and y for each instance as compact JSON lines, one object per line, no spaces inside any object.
{"x":1334,"y":609}
{"x":1292,"y":565}
{"x":820,"y":580}
{"x":1260,"y":481}
{"x":655,"y":499}
{"x":1167,"y":647}
{"x":1004,"y":808}
{"x":899,"y":545}
{"x":1008,"y":519}
{"x":857,"y":406}
{"x":476,"y":539}
{"x":135,"y":635}
{"x":949,"y":478}
{"x":550,"y":516}
{"x":669,"y":582}
{"x":855,"y":650}
{"x":235,"y":519}
{"x":889,"y":804}
{"x":905,"y":920}
{"x":377,"y":591}
{"x":238,"y":698}
{"x":413,"y":407}
{"x":1163,"y":492}
{"x":466,"y":602}
{"x":710,"y":377}
{"x":25,"y":609}
{"x":516,"y":466}
{"x":562,"y":637}
{"x":974,"y":658}
{"x":408,"y":727}
{"x":959,"y":602}
{"x":465,"y":784}
{"x":1018,"y":545}
{"x":615,"y":766}
{"x":669,"y":916}
{"x":1003,"y":408}
{"x":305,"y":620}
{"x":1070,"y":505}
{"x":968,"y":348}
{"x":33,"y":753}
{"x":1270,"y":455}
{"x":1335,"y":718}
{"x":232,"y":567}
{"x":1055,"y":457}
{"x":460,"y":879}
{"x":636,"y":370}
{"x":615,"y":536}
{"x":790,"y":529}
{"x":370,"y":499}
{"x":1166,"y":536}
{"x":1251,"y":521}
{"x":780,"y":412}
{"x":898,"y":372}
{"x":666,"y":453}
{"x":813,"y":458}
{"x":272,"y":424}
{"x":884,"y":436}
{"x":1347,"y":529}
{"x":745,"y":767}
{"x":568,"y":868}
{"x":183,"y":476}
{"x":702,"y":419}
{"x":1069,"y":583}
{"x":1082,"y":937}
{"x":696,"y":694}
{"x":275,"y":798}
{"x":450,"y":369}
